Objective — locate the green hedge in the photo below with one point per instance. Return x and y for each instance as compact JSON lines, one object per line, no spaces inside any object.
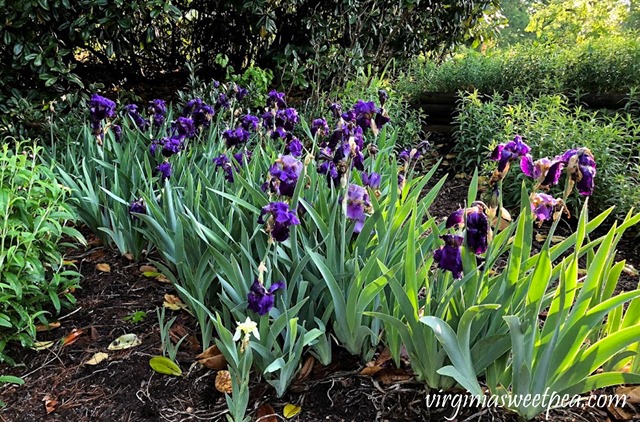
{"x":551,"y":127}
{"x":605,"y":65}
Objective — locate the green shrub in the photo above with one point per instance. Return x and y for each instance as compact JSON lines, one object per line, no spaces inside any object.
{"x":551,"y":127}
{"x":33,"y":217}
{"x":604,"y":65}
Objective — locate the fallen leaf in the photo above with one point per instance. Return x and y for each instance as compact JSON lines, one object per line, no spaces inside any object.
{"x":393,"y":375}
{"x":621,"y":414}
{"x":166,"y":366}
{"x":47,"y":327}
{"x":70,"y":262}
{"x":266,"y":413}
{"x":305,"y":371}
{"x":129,"y":256}
{"x":632,"y":393}
{"x":383,"y":357}
{"x":94,"y":241}
{"x":125,"y":341}
{"x":370,"y":370}
{"x":173,"y":302}
{"x":97,"y":358}
{"x":42,"y":345}
{"x":72,"y":337}
{"x":179,"y":332}
{"x":212,"y":358}
{"x":223,"y":382}
{"x":103,"y":267}
{"x":291,"y":410}
{"x":629,"y":269}
{"x":148,"y":269}
{"x":450,"y":156}
{"x":541,"y":237}
{"x":93,"y":333}
{"x":50,"y":403}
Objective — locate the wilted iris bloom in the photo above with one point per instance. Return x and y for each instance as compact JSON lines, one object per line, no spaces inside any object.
{"x":547,"y":172}
{"x":101,"y":108}
{"x":319,"y":127}
{"x":250,"y":123}
{"x":543,"y":206}
{"x":383,"y":96}
{"x":280,"y":219}
{"x":508,"y":152}
{"x":371,"y":180}
{"x":357,"y":204}
{"x":449,"y":256}
{"x":455,"y":219}
{"x":235,"y":137}
{"x":261,"y":300}
{"x":283,"y":175}
{"x":581,"y":168}
{"x":336,"y":110}
{"x":408,"y":155}
{"x":164,"y":169}
{"x":276,"y":99}
{"x":139,"y":207}
{"x":184,"y":127}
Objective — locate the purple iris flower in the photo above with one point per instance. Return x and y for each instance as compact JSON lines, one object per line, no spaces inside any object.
{"x":237,"y":136}
{"x":547,"y":172}
{"x":132,"y":111}
{"x":261,"y":300}
{"x":381,"y":120}
{"x":349,"y":116}
{"x":508,"y":152}
{"x":371,"y":180}
{"x":222,"y":101}
{"x":228,"y":167}
{"x":542,"y":206}
{"x":250,"y":123}
{"x":276,"y":99}
{"x":280,"y":219}
{"x":139,"y":207}
{"x":581,"y":167}
{"x":164,"y":169}
{"x":241,"y":93}
{"x":278,"y":132}
{"x":407,"y":155}
{"x":449,"y":256}
{"x":184,"y":127}
{"x":158,"y":109}
{"x":117,"y":132}
{"x":383,"y":96}
{"x":336,"y":110}
{"x":456,"y":219}
{"x":357,"y":203}
{"x":477,"y":230}
{"x":294,"y":147}
{"x":287,"y":118}
{"x":101,"y":108}
{"x":153,"y":148}
{"x":267,"y":120}
{"x":320,"y":127}
{"x":364,"y":113}
{"x":171,"y":146}
{"x":331,"y":170}
{"x":283,"y":176}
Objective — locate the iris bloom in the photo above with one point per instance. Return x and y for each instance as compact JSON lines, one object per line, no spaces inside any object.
{"x":371,"y":180}
{"x":245,"y":330}
{"x":171,"y":146}
{"x":138,"y":206}
{"x":280,"y":219}
{"x":294,"y":147}
{"x":581,"y":167}
{"x":383,"y":96}
{"x":250,"y":123}
{"x":158,"y":109}
{"x":357,"y":204}
{"x":508,"y":152}
{"x":478,"y":230}
{"x":547,"y":172}
{"x":449,"y":256}
{"x":117,"y":132}
{"x":276,"y":99}
{"x":283,"y":175}
{"x":164,"y":169}
{"x":222,"y":101}
{"x":261,"y":300}
{"x":336,"y":110}
{"x":235,"y":137}
{"x":184,"y":127}
{"x":543,"y":206}
{"x":319,"y":127}
{"x":101,"y":108}
{"x":132,"y":111}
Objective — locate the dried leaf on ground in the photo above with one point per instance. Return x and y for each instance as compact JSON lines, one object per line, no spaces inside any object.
{"x":97,"y":358}
{"x":223,"y":382}
{"x":393,"y":375}
{"x":72,"y":337}
{"x":103,"y":267}
{"x":178,"y":332}
{"x":50,"y":403}
{"x":148,"y":269}
{"x":125,"y":341}
{"x":291,"y":410}
{"x":212,"y":358}
{"x":42,"y":345}
{"x":306,"y":369}
{"x":266,"y":413}
{"x":632,"y":393}
{"x":173,"y":302}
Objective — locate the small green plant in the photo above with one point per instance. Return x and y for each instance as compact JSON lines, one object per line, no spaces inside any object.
{"x":135,"y":317}
{"x":169,"y":348}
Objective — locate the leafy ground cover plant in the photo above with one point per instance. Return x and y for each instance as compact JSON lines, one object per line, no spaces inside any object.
{"x":34,"y":280}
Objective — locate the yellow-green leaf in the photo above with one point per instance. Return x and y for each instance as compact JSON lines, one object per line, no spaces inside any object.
{"x":291,"y":410}
{"x":126,"y":341}
{"x":97,"y":358}
{"x":166,"y":366}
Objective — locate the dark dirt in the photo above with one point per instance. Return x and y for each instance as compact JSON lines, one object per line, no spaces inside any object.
{"x":125,"y":388}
